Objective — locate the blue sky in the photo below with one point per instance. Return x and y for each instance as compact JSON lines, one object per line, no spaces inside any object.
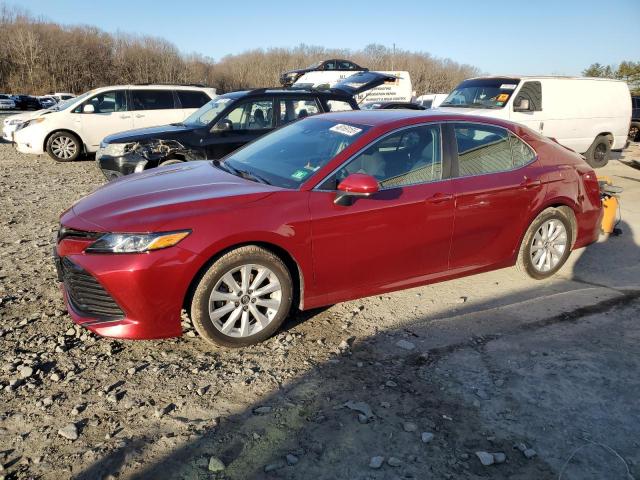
{"x":527,"y":37}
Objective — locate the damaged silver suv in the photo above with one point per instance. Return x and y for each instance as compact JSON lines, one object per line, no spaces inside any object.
{"x":225,"y":124}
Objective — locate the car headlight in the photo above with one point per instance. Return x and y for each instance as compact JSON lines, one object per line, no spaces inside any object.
{"x":28,"y":123}
{"x":114,"y":149}
{"x":136,"y":242}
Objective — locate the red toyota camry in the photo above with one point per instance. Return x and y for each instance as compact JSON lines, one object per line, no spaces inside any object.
{"x":327,"y":209}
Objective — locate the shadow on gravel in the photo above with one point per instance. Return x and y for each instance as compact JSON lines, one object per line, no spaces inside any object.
{"x":467,"y":395}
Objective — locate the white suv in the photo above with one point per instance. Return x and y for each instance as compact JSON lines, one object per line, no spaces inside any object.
{"x":80,"y":124}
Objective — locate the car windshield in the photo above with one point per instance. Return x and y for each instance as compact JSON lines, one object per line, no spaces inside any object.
{"x":67,"y":103}
{"x":315,"y":65}
{"x":291,"y":155}
{"x":205,"y":114}
{"x":482,"y":93}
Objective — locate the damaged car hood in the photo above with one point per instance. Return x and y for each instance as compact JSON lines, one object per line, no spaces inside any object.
{"x":150,"y":133}
{"x":173,"y":194}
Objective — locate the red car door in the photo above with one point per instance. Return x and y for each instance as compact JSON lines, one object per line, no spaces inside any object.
{"x":496,"y":188}
{"x":398,"y":235}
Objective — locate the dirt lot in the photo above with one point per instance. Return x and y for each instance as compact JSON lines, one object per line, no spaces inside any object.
{"x":545,"y":373}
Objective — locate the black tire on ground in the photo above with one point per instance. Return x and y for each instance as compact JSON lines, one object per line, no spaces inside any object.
{"x":598,"y":154}
{"x":64,"y":146}
{"x":171,"y":161}
{"x":634,"y":132}
{"x":525,"y":261}
{"x":248,"y":255}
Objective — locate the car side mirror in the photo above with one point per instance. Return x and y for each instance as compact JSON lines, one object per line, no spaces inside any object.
{"x":356,"y":185}
{"x":521,"y":105}
{"x":223,"y":125}
{"x":88,"y":108}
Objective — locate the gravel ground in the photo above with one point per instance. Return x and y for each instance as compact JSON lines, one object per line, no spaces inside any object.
{"x":537,"y":379}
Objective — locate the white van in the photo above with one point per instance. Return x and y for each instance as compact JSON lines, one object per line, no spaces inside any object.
{"x":397,"y":90}
{"x":588,"y":115}
{"x":79,"y":124}
{"x":431,"y":100}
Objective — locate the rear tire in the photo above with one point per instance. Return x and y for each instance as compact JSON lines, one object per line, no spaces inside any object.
{"x":598,"y":154}
{"x":546,"y":245}
{"x":243,"y":298}
{"x":634,"y":132}
{"x":64,"y":146}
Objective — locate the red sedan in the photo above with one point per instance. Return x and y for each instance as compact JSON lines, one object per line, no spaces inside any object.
{"x":327,"y":209}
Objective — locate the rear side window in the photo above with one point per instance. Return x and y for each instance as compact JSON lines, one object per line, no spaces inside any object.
{"x":482,"y":149}
{"x":521,"y":152}
{"x":338,"y":106}
{"x":152,"y":99}
{"x":294,"y":108}
{"x":192,"y":98}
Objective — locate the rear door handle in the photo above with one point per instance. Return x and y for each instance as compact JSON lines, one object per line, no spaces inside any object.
{"x":139,"y":115}
{"x":527,"y":183}
{"x":440,"y":198}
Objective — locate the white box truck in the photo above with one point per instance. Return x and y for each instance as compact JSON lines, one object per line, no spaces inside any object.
{"x":588,"y":115}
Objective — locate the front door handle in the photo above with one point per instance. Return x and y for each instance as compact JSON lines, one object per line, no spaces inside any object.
{"x":125,"y":116}
{"x":440,"y":198}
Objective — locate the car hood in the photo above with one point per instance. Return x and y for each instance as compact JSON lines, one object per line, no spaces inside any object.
{"x":147,"y":133}
{"x":297,"y":70}
{"x":26,"y":116}
{"x":164,"y":198}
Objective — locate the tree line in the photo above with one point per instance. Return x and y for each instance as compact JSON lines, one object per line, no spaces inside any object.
{"x":627,"y":71}
{"x":38,"y":56}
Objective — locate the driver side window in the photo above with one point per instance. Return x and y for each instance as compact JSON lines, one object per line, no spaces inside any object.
{"x":257,"y":115}
{"x":107,"y":102}
{"x":407,"y":157}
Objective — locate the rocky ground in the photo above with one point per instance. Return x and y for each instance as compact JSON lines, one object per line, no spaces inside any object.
{"x":492,"y":376}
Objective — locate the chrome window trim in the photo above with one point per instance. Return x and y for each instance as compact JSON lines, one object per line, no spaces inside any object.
{"x":368,"y":145}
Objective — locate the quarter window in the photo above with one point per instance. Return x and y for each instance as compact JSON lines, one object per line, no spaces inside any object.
{"x":294,"y":108}
{"x":482,"y":149}
{"x":152,"y":99}
{"x":522,"y":153}
{"x":338,"y":106}
{"x":407,"y":157}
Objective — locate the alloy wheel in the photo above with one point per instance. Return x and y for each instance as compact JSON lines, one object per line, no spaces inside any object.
{"x":64,"y":147}
{"x":548,"y":245}
{"x":245,"y":300}
{"x":600,"y":153}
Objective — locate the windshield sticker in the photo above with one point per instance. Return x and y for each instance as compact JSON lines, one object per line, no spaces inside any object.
{"x":299,"y":174}
{"x":503,"y":97}
{"x":345,"y":129}
{"x":354,"y":85}
{"x":508,"y":86}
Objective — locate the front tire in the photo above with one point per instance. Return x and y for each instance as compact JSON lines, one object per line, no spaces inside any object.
{"x":63,"y":146}
{"x":546,"y":245}
{"x":243,"y":298}
{"x":598,"y":154}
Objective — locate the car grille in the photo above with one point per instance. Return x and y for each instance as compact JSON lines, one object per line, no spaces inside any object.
{"x":86,"y":295}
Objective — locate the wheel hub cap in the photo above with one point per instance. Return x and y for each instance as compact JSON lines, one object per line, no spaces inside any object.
{"x":548,"y":245}
{"x":245,"y":300}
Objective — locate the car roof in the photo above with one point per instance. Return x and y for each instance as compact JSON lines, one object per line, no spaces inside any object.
{"x":393,"y":118}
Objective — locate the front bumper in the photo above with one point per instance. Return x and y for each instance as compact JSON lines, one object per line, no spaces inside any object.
{"x":8,"y":132}
{"x":149,"y":289}
{"x":114,"y":167}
